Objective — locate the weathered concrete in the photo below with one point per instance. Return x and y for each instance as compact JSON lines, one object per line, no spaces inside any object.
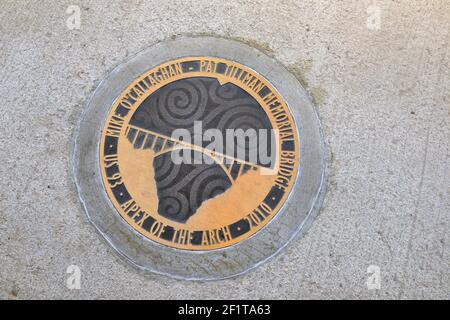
{"x":382,"y":95}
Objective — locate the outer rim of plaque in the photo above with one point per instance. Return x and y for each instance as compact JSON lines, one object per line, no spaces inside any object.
{"x":292,"y":220}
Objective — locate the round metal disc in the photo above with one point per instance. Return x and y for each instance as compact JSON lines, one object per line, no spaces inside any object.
{"x":202,"y":219}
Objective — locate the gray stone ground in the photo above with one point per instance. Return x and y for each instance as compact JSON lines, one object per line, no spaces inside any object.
{"x":383,"y":97}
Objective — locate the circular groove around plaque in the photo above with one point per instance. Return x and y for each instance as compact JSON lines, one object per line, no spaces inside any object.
{"x":199,"y":158}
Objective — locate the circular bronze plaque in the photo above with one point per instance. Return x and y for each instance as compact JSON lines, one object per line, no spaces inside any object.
{"x":239,"y":156}
{"x":199,"y":158}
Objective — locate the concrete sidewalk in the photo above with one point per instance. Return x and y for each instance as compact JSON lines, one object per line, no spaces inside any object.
{"x":382,"y":93}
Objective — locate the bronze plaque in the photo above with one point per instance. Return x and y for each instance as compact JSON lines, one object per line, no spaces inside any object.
{"x":199,"y":158}
{"x":199,"y":153}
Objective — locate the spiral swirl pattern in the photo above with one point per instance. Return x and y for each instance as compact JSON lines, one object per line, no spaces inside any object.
{"x":184,"y":187}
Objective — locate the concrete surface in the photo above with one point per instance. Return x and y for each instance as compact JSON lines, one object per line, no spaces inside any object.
{"x":383,"y":97}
